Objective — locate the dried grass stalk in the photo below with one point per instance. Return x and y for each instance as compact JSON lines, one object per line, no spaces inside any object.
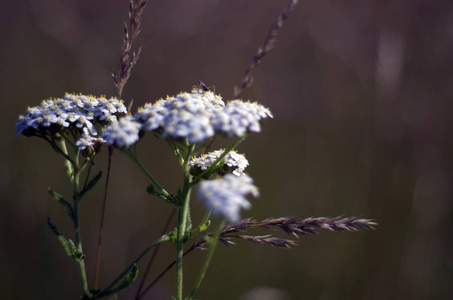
{"x":268,"y":44}
{"x":290,"y":225}
{"x":128,"y":60}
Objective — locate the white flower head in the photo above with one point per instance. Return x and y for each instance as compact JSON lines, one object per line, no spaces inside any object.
{"x":226,"y":196}
{"x":188,"y":115}
{"x":72,"y":111}
{"x":232,"y":162}
{"x":238,"y":118}
{"x":198,"y":115}
{"x":76,"y":113}
{"x":88,"y":142}
{"x":122,"y":133}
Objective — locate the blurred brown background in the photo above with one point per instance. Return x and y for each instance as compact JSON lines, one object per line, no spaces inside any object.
{"x":361,"y":93}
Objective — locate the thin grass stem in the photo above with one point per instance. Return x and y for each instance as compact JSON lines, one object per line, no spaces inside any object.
{"x":101,"y":226}
{"x":134,"y":157}
{"x":151,"y":260}
{"x":267,"y":46}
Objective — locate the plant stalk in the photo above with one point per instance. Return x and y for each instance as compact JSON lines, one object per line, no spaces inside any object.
{"x":183,"y":215}
{"x":207,"y":260}
{"x":154,"y":181}
{"x":76,"y":221}
{"x":182,"y":223}
{"x":101,"y":226}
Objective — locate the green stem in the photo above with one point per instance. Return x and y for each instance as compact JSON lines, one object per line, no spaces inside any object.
{"x":207,"y":260}
{"x":78,"y":243}
{"x":76,"y":219}
{"x":176,"y":151}
{"x":68,"y":162}
{"x":204,"y":224}
{"x":183,"y":215}
{"x":55,"y":147}
{"x":69,"y":141}
{"x":162,"y":239}
{"x":139,"y":163}
{"x":182,"y":223}
{"x":87,"y":177}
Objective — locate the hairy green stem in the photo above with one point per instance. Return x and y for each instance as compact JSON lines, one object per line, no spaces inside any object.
{"x":78,"y":241}
{"x":183,"y":215}
{"x":176,"y":151}
{"x":54,"y":146}
{"x":207,"y":260}
{"x":74,"y":173}
{"x":87,"y":176}
{"x":69,"y":141}
{"x":181,"y":230}
{"x":68,"y":162}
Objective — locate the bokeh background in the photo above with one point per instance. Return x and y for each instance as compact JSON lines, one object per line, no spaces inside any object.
{"x":362,"y":97}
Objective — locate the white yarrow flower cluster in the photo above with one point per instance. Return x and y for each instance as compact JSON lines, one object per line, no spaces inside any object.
{"x":238,"y":117}
{"x":232,"y":161}
{"x":185,"y":116}
{"x":122,"y":133}
{"x":226,"y":196}
{"x":195,"y":116}
{"x":78,"y":112}
{"x":87,"y":141}
{"x":198,"y":115}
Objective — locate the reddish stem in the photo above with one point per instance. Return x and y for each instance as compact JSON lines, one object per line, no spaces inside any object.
{"x":151,"y":260}
{"x":101,"y":229}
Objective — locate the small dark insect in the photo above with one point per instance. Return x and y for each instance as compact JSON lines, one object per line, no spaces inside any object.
{"x":202,"y":86}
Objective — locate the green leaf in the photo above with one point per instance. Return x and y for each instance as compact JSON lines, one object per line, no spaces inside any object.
{"x":68,"y":245}
{"x":150,"y":190}
{"x":203,"y":227}
{"x":61,"y":200}
{"x":170,"y":198}
{"x":91,"y":184}
{"x":127,"y":281}
{"x":173,"y":235}
{"x":89,"y":294}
